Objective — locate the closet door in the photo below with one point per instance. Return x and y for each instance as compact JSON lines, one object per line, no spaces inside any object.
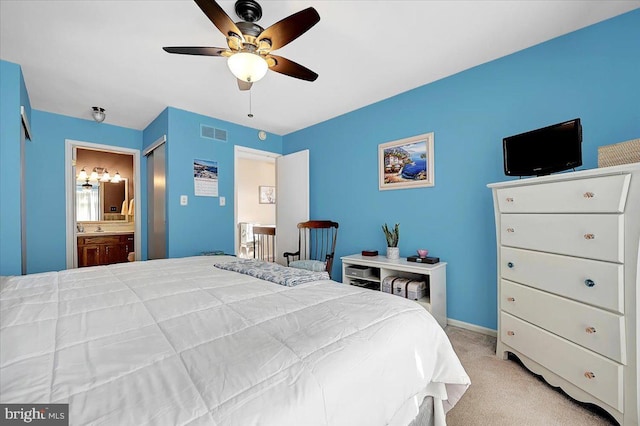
{"x":156,"y":203}
{"x":292,"y":205}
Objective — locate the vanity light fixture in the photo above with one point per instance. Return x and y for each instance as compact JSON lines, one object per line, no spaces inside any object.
{"x":98,"y":114}
{"x":105,"y":176}
{"x":83,"y":175}
{"x":99,"y":174}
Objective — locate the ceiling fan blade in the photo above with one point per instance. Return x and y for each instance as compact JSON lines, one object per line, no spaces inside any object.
{"x":290,"y":68}
{"x":193,"y":50}
{"x":219,"y":18}
{"x":243,"y":85}
{"x":290,"y":28}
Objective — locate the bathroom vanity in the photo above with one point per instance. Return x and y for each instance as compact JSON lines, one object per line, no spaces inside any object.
{"x":104,"y":248}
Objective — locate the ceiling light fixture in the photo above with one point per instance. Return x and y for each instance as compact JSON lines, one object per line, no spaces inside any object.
{"x":87,"y":186}
{"x":99,"y":114}
{"x":247,"y":66}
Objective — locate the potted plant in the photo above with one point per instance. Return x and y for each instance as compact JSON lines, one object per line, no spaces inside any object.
{"x":392,"y":236}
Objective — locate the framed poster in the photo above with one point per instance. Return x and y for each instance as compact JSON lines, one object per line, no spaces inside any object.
{"x":406,"y":163}
{"x":267,"y":194}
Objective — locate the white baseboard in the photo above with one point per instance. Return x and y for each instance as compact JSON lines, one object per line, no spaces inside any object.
{"x":472,"y":327}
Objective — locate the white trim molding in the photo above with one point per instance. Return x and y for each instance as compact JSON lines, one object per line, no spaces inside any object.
{"x":148,"y":150}
{"x":472,"y":327}
{"x":25,"y":122}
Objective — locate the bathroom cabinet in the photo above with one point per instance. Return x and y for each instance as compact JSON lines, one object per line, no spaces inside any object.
{"x":104,"y":249}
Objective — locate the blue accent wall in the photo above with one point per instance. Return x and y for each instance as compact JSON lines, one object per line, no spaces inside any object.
{"x":46,"y":208}
{"x":203,"y":225}
{"x":10,"y":122}
{"x":592,"y":74}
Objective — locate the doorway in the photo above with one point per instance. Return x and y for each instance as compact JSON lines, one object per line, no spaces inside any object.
{"x":71,"y":184}
{"x":255,"y":179}
{"x":291,"y":196}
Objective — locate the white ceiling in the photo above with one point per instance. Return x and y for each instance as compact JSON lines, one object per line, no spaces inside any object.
{"x":79,"y":54}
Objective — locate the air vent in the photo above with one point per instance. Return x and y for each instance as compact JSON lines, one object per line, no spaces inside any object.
{"x":209,"y":132}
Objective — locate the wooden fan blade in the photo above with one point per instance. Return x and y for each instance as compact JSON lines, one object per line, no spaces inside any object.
{"x":219,"y":18}
{"x":290,"y":28}
{"x":290,"y":68}
{"x":243,"y":85}
{"x":193,"y":50}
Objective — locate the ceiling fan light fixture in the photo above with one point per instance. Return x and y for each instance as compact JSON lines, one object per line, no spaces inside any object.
{"x":247,"y":66}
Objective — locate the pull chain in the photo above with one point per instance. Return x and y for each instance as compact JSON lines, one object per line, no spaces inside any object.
{"x":250,"y":115}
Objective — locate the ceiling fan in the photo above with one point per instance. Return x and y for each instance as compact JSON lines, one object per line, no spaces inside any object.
{"x":250,"y":46}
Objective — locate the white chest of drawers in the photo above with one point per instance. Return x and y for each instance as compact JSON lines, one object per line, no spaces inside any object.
{"x":568,"y":284}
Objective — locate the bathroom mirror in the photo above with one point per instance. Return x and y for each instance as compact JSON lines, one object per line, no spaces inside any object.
{"x":104,"y":201}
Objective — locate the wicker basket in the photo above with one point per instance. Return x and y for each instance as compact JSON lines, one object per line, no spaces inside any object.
{"x":619,"y":153}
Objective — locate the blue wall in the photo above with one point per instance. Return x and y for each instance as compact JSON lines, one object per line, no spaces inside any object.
{"x":46,"y":208}
{"x":591,"y":74}
{"x":203,"y":225}
{"x":10,"y":221}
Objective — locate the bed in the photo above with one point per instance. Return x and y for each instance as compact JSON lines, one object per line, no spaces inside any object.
{"x":183,"y":342}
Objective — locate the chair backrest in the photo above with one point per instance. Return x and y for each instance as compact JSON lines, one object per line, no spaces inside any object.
{"x":264,"y":243}
{"x":317,"y":241}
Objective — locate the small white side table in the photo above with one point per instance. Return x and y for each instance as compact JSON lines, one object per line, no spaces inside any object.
{"x":435,"y":300}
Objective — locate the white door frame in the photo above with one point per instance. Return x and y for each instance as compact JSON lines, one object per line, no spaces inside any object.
{"x":244,"y":152}
{"x":69,"y":190}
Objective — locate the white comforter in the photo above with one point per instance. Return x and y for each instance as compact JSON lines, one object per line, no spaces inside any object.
{"x":179,"y":341}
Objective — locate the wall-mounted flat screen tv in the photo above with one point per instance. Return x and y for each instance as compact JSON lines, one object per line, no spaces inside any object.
{"x":543,"y":151}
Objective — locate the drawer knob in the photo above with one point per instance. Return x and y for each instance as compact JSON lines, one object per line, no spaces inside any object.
{"x":589,"y":236}
{"x":589,"y":283}
{"x":590,"y":330}
{"x":509,"y":200}
{"x":510,"y":264}
{"x":511,"y":299}
{"x":510,"y":333}
{"x":588,"y":194}
{"x":589,"y":375}
{"x":511,"y":230}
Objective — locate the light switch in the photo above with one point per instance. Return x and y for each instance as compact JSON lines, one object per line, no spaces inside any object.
{"x":223,"y":201}
{"x":183,"y":200}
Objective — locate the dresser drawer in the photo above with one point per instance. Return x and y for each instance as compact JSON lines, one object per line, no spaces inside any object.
{"x":590,"y":281}
{"x":605,"y":194}
{"x":568,"y":360}
{"x":594,"y":236}
{"x":593,"y":328}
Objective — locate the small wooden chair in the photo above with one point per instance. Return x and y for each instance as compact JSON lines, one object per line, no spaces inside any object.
{"x":264,"y":243}
{"x":316,"y":246}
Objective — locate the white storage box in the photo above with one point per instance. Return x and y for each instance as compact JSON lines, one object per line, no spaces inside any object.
{"x":404,"y":287}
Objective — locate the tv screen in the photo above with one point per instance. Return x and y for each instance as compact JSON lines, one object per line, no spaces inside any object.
{"x":543,"y":151}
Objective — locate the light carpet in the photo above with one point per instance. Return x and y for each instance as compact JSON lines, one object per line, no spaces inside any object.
{"x":503,"y":392}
